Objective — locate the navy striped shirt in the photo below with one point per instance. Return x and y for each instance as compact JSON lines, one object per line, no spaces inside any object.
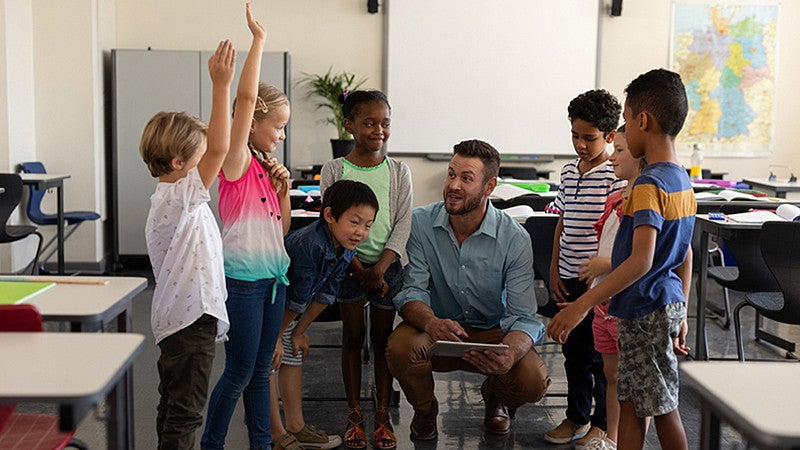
{"x":581,"y":197}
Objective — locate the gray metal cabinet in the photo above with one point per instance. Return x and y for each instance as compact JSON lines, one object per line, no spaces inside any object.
{"x":145,"y":82}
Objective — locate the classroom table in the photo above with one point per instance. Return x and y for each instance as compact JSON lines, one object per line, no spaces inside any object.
{"x":759,"y":399}
{"x":74,"y":371}
{"x":706,"y":206}
{"x":87,"y":303}
{"x":780,"y":188}
{"x":43,"y":181}
{"x":726,"y":230}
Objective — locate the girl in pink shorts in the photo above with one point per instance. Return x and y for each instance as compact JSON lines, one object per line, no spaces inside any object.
{"x":604,"y":325}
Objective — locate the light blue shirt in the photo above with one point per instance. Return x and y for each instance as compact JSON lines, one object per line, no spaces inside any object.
{"x":485,"y":282}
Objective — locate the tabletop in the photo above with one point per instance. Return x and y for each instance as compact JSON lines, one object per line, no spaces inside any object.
{"x":64,"y":367}
{"x":77,"y":300}
{"x":760,"y":399}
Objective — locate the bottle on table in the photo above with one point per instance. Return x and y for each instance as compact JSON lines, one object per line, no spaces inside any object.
{"x":696,"y":169}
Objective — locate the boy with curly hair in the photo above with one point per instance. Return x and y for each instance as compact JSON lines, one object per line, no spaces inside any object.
{"x":585,"y":184}
{"x":652,"y":267}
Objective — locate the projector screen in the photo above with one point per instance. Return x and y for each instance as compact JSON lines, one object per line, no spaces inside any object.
{"x":502,"y":71}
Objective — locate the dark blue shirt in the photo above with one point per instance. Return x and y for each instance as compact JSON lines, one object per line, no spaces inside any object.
{"x":316,"y":270}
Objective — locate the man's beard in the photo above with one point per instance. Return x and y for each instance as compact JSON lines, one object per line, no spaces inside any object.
{"x":468,"y":205}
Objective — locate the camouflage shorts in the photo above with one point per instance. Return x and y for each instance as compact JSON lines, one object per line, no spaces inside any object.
{"x":648,"y":367}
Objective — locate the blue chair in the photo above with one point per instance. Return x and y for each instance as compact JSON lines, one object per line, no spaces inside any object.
{"x":35,"y":214}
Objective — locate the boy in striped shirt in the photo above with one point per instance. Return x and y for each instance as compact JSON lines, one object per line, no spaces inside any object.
{"x":585,"y":184}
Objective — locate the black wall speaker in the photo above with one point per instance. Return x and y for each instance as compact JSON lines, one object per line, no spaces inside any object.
{"x":616,"y":7}
{"x":372,"y":6}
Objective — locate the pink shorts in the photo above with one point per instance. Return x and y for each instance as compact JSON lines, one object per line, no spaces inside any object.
{"x":604,"y":328}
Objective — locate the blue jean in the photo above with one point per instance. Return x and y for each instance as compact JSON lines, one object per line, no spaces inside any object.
{"x":255,"y":322}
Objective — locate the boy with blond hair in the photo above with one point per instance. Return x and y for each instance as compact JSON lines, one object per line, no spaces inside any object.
{"x":185,"y":248}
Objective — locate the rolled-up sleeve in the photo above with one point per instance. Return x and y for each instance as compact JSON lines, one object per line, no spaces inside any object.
{"x":520,"y":313}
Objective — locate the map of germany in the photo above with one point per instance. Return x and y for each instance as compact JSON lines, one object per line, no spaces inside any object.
{"x":726,"y":55}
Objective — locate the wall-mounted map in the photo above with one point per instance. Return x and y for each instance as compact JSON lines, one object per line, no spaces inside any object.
{"x":726,"y":55}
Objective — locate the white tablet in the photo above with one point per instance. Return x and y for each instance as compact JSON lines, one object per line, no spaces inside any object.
{"x":457,"y":349}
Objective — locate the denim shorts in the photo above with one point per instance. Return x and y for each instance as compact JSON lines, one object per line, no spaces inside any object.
{"x":648,"y":367}
{"x":350,"y":290}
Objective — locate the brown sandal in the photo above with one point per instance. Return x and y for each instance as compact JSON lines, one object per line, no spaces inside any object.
{"x":384,"y":436}
{"x":355,"y":437}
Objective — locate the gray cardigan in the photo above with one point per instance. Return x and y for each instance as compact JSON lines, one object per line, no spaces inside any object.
{"x":400,"y":198}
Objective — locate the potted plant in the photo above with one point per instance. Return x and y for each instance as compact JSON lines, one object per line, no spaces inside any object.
{"x":329,"y":87}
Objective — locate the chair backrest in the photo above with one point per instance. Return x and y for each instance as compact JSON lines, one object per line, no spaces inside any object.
{"x":520,"y":173}
{"x":542,"y":230}
{"x":23,"y":317}
{"x":34,"y":208}
{"x":754,"y":275}
{"x":12,"y":184}
{"x":780,"y":248}
{"x":17,"y":318}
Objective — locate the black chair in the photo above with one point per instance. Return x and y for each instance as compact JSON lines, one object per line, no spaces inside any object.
{"x":744,"y":248}
{"x":519,"y":173}
{"x":9,"y":200}
{"x":542,"y":230}
{"x":34,"y":210}
{"x":780,"y":244}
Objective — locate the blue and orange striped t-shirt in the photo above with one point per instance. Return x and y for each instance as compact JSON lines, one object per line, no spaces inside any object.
{"x":662,"y":198}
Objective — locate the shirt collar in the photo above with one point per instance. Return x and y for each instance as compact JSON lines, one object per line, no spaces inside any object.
{"x":488,"y":225}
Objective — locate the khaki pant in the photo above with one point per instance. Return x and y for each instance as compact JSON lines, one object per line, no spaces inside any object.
{"x":408,"y":360}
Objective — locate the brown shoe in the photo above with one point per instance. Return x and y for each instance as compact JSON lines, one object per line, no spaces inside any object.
{"x":423,"y":425}
{"x":497,"y":417}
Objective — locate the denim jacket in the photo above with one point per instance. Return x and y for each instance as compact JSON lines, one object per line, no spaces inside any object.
{"x":316,"y":270}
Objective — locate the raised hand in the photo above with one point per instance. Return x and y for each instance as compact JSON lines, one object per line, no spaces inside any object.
{"x":222,"y":62}
{"x":255,"y":27}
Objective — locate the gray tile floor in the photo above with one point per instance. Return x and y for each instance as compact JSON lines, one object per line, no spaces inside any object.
{"x":461,"y":409}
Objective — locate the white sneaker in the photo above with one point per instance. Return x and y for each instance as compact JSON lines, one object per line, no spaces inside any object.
{"x":594,"y":444}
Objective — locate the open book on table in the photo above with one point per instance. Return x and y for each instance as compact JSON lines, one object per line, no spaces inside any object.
{"x":725,"y":195}
{"x":784,"y":212}
{"x":519,"y":211}
{"x":506,"y":192}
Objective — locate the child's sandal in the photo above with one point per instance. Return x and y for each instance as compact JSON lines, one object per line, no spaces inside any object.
{"x":355,"y":437}
{"x":384,"y":436}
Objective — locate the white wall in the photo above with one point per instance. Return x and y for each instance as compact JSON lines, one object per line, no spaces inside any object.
{"x":318,"y":34}
{"x":51,"y":107}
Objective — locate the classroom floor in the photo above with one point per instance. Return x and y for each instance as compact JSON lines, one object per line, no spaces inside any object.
{"x":461,"y":409}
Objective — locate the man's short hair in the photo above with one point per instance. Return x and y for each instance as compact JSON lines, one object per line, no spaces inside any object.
{"x":343,"y":194}
{"x":489,"y":155}
{"x":662,"y":94}
{"x":597,"y":107}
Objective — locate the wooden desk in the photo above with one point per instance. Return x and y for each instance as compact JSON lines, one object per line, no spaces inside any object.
{"x":73,"y":370}
{"x":87,"y":307}
{"x":47,"y":181}
{"x":725,"y":230}
{"x":779,"y":187}
{"x":759,"y":399}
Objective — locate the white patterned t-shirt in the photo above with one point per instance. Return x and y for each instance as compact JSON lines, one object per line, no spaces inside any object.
{"x":185,"y":249}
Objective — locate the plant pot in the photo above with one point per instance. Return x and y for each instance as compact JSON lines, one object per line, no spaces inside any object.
{"x":341,"y":147}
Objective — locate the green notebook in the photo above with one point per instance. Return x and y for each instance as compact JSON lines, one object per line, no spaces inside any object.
{"x":13,"y":292}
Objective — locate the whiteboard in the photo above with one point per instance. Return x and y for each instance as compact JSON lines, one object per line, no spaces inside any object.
{"x":500,"y":71}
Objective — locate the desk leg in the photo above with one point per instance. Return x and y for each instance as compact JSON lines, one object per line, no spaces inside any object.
{"x":60,"y":226}
{"x":119,"y":417}
{"x":123,"y":326}
{"x":709,"y":429}
{"x":701,"y":343}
